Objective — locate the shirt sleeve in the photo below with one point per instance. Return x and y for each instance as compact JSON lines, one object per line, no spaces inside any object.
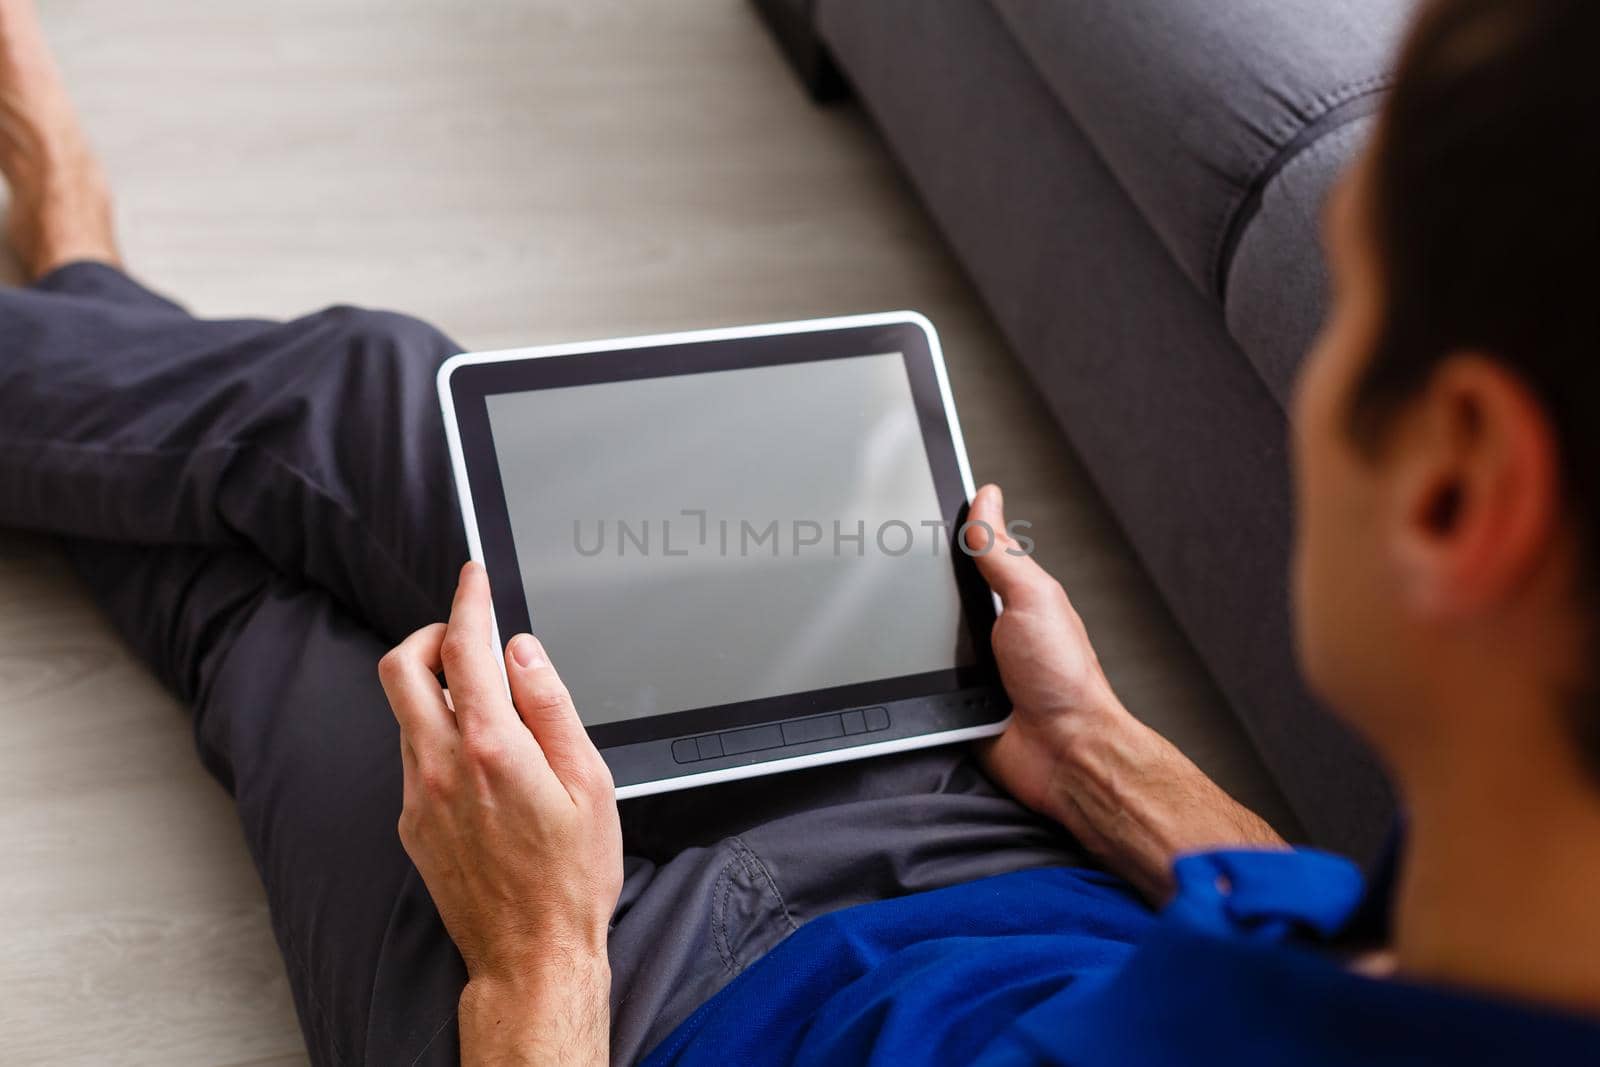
{"x":1269,"y":896}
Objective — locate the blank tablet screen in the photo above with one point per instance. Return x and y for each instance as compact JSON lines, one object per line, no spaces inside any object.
{"x":706,"y":539}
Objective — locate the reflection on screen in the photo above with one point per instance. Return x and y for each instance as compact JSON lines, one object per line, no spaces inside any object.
{"x":691,"y":541}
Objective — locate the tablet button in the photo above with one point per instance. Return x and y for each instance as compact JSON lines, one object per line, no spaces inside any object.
{"x":877,"y":719}
{"x":819,"y":728}
{"x":684,"y":750}
{"x":710,"y":746}
{"x":756,"y":738}
{"x":854,"y":722}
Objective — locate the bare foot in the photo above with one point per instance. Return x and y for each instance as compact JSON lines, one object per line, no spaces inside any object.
{"x":60,"y":202}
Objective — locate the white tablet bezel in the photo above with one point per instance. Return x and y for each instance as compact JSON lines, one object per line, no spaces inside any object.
{"x":475,"y":546}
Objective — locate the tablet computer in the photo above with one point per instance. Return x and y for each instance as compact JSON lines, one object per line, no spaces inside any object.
{"x":741,"y":547}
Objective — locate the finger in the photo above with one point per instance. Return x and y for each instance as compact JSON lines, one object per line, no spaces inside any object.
{"x":409,"y":675}
{"x":471,"y":663}
{"x":545,"y":705}
{"x":1014,"y":575}
{"x":409,"y":771}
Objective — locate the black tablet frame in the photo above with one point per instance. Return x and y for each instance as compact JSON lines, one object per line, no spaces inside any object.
{"x":471,"y":383}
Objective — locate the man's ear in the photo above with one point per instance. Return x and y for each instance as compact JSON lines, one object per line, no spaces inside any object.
{"x":1477,"y":501}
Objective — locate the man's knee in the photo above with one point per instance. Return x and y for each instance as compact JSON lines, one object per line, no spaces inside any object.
{"x":367,"y":335}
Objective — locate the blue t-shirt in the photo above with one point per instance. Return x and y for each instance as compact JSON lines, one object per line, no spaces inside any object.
{"x":1063,"y":966}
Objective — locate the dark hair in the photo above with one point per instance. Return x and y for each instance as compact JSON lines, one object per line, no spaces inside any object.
{"x":1483,"y":197}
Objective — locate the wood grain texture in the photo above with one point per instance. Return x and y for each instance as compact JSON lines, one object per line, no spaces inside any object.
{"x":518,"y":171}
{"x":136,"y":930}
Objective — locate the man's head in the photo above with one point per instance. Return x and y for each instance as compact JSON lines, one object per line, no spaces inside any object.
{"x":1448,"y":420}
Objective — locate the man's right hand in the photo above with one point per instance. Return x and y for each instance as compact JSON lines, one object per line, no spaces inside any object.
{"x":1071,"y":750}
{"x":1058,"y":692}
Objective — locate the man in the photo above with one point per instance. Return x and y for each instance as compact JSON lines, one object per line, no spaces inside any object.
{"x":257,"y":549}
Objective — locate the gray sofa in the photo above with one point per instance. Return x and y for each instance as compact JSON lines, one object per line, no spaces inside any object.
{"x":1135,"y":186}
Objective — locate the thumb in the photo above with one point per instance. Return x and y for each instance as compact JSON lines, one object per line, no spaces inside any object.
{"x":1010,"y":572}
{"x":546,"y":707}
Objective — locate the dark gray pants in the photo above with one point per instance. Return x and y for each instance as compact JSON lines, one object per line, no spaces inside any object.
{"x":262,"y":509}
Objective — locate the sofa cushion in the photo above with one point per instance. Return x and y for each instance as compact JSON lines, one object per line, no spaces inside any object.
{"x":1133,"y":361}
{"x":1195,"y":105}
{"x":1277,"y":280}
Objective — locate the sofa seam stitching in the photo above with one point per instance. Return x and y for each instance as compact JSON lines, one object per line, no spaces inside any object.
{"x":1268,"y":164}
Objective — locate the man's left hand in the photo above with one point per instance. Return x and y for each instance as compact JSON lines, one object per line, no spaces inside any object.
{"x":511,"y":818}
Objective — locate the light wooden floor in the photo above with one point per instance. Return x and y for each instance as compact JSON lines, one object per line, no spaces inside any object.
{"x":518,"y":171}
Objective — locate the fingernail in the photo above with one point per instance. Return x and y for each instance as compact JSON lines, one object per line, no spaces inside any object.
{"x":527,"y":652}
